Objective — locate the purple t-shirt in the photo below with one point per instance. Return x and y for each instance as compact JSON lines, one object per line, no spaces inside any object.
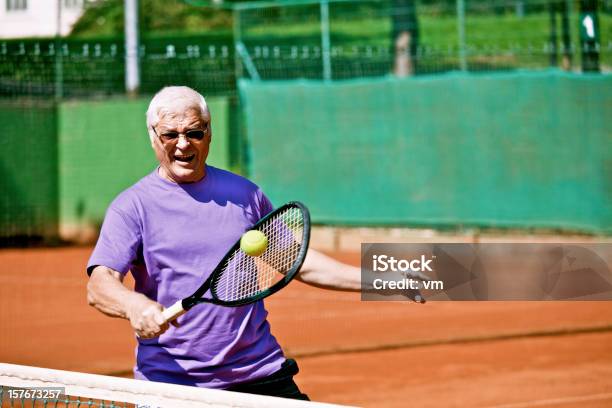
{"x":171,"y":236}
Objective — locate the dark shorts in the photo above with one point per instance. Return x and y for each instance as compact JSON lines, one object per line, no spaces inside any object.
{"x":278,"y":384}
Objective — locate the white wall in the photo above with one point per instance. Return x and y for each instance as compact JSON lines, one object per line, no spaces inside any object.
{"x":39,"y":19}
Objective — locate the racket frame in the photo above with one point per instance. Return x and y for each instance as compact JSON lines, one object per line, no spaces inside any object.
{"x":187,"y":303}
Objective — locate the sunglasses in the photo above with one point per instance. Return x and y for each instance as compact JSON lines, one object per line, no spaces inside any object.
{"x":172,"y":137}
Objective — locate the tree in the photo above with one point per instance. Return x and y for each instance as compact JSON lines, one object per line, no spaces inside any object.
{"x":156,"y":16}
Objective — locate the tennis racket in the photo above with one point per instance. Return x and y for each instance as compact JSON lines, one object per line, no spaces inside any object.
{"x":240,"y":279}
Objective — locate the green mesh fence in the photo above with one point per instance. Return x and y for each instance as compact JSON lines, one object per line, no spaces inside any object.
{"x":505,"y":150}
{"x":99,"y":158}
{"x":28,"y":163}
{"x":63,"y":164}
{"x":85,"y":68}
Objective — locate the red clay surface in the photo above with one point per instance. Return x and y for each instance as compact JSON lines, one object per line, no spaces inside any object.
{"x":375,"y":354}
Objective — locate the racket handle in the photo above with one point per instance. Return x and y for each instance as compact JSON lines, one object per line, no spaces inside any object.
{"x":173,"y":311}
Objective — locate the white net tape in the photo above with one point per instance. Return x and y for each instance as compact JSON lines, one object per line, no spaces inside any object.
{"x":22,"y":386}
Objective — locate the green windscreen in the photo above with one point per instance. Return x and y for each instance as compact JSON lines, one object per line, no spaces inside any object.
{"x":491,"y":150}
{"x":28,"y":162}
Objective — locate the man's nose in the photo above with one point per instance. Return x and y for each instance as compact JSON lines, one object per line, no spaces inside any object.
{"x":182,"y":142}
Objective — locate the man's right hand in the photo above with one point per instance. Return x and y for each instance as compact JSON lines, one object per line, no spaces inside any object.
{"x":145,"y":316}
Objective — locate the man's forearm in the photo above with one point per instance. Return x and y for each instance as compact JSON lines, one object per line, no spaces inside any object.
{"x":106,"y":292}
{"x":325,"y":272}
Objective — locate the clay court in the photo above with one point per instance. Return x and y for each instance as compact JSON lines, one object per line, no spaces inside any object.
{"x":372,"y":354}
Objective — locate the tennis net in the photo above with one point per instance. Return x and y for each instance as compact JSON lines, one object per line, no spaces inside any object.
{"x":23,"y":386}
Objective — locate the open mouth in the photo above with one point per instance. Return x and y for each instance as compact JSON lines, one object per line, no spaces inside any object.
{"x":185,"y":159}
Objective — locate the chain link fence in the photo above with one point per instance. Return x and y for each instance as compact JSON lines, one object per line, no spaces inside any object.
{"x":73,"y":68}
{"x":348,"y":39}
{"x":319,"y":40}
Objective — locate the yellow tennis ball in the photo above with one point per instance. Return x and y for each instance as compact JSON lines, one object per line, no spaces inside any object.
{"x":254,"y":243}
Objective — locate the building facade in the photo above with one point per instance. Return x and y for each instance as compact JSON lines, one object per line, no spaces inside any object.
{"x":38,"y":18}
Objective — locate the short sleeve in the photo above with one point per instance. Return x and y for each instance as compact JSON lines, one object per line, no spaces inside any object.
{"x":118,"y":244}
{"x":265,"y":205}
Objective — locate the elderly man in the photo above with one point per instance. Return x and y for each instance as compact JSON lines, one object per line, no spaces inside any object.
{"x":170,"y":230}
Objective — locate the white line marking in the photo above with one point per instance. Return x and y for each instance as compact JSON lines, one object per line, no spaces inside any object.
{"x":555,"y":401}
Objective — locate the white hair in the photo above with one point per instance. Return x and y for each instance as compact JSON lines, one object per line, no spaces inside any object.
{"x":171,"y":98}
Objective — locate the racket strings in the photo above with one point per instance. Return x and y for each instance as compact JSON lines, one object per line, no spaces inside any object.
{"x":246,"y":277}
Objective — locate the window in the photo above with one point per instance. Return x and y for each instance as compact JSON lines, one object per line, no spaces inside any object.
{"x":16,"y":5}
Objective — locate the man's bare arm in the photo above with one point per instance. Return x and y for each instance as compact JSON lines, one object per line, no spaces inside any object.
{"x":105,"y":292}
{"x":325,"y":272}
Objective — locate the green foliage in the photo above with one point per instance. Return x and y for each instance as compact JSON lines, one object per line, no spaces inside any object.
{"x":172,"y":16}
{"x":155,"y":16}
{"x":100,"y":19}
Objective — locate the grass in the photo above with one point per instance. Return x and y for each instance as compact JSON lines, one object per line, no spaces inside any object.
{"x":525,"y":37}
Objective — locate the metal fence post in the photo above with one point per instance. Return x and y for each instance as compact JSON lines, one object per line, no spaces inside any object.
{"x":325,"y":40}
{"x":132,"y":74}
{"x":237,"y":40}
{"x":59,"y":64}
{"x":461,"y":34}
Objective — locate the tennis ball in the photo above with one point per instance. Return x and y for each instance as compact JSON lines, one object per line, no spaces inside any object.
{"x":253,"y":243}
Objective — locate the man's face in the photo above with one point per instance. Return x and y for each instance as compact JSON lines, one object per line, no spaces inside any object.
{"x":181,"y":143}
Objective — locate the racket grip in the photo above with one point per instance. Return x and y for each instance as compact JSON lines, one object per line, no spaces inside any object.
{"x":173,"y":311}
